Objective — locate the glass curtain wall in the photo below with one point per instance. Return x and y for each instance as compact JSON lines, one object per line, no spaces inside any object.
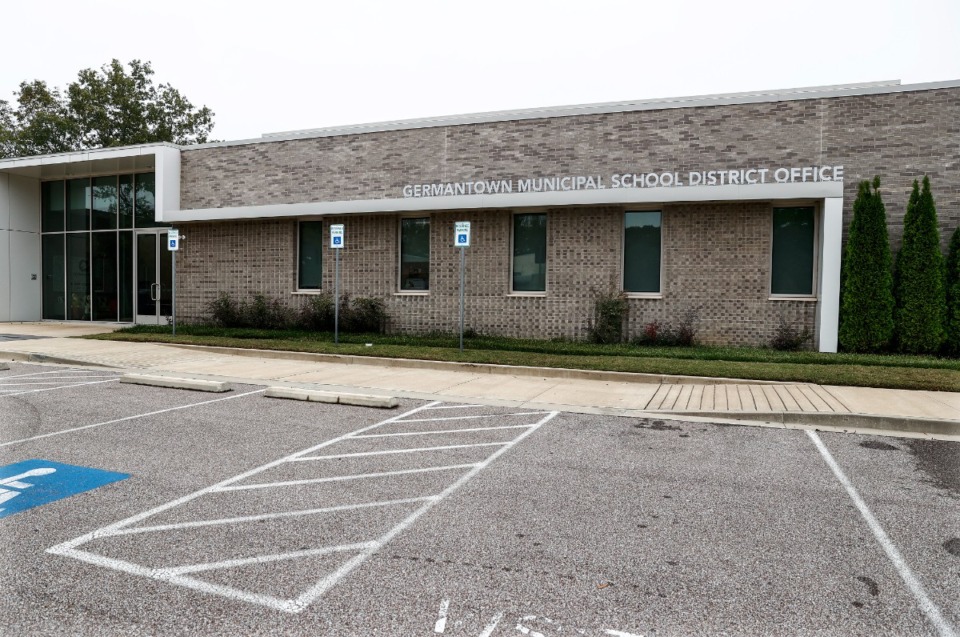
{"x":87,"y":244}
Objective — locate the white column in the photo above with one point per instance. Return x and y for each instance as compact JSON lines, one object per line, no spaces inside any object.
{"x":828,"y":287}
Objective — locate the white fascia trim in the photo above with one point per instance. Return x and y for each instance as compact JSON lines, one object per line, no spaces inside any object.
{"x":85,"y":155}
{"x":610,"y":196}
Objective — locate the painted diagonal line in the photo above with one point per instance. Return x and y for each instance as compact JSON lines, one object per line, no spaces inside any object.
{"x":263,"y":516}
{"x":361,"y":476}
{"x":35,"y":391}
{"x":454,"y":407}
{"x":126,"y":418}
{"x":53,"y":371}
{"x":56,"y":381}
{"x":179,"y":580}
{"x":116,"y":526}
{"x":443,"y":431}
{"x":944,"y":629}
{"x":263,"y":559}
{"x":519,"y":413}
{"x":327,"y":583}
{"x":395,"y":451}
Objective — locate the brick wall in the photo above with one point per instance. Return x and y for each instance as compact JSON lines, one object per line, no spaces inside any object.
{"x":715,"y":264}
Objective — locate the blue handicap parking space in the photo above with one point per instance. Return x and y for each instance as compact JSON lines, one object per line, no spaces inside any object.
{"x":27,"y":484}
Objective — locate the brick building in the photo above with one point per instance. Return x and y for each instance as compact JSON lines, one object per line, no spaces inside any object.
{"x":731,"y":208}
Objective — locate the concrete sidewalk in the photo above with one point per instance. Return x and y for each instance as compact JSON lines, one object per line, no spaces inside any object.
{"x":894,"y":412}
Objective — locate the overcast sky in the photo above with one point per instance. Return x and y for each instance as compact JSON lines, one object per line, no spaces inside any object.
{"x":283,"y":65}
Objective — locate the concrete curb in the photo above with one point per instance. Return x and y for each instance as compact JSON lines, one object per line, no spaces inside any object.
{"x":317,"y":396}
{"x":478,"y":368}
{"x":177,"y":383}
{"x":837,"y":420}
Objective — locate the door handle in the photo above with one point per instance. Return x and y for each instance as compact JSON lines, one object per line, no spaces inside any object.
{"x":154,"y":291}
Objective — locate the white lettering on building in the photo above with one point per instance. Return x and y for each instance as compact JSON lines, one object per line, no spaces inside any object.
{"x":652,"y":179}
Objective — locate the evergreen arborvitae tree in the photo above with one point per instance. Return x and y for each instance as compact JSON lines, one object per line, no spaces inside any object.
{"x":921,"y":300}
{"x":866,"y":308}
{"x":953,"y":295}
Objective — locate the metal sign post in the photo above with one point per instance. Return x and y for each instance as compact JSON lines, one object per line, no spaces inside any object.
{"x":461,"y":239}
{"x":336,"y":242}
{"x":173,"y":245}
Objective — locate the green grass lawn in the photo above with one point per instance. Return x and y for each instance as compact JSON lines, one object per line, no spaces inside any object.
{"x":870,"y":370}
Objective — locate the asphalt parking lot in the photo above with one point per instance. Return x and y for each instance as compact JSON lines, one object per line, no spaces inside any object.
{"x":238,"y":514}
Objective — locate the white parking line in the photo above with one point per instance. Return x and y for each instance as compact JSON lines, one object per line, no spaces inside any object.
{"x":110,"y":422}
{"x":393,"y":451}
{"x":51,"y":382}
{"x":454,"y":407}
{"x":52,"y":371}
{"x":361,"y":476}
{"x":256,"y":518}
{"x":36,"y":391}
{"x":926,"y":605}
{"x":519,"y":413}
{"x":442,"y":431}
{"x":178,"y":574}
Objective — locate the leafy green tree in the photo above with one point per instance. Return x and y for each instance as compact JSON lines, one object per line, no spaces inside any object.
{"x":921,"y":306}
{"x":102,"y":108}
{"x":953,"y":295}
{"x":866,"y":306}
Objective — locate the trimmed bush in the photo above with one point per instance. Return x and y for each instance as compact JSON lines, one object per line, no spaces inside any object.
{"x":609,"y":311}
{"x":317,"y":314}
{"x":921,"y":306}
{"x":866,"y":303}
{"x":359,"y":315}
{"x":363,"y":315}
{"x":952,"y":344}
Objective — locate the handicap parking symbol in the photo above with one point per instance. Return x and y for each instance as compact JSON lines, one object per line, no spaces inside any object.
{"x":337,"y":241}
{"x":31,"y":483}
{"x":461,"y":238}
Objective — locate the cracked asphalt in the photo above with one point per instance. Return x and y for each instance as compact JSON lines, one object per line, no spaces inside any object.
{"x":256,"y":516}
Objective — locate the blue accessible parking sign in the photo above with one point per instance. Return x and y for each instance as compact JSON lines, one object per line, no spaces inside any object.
{"x":27,"y":484}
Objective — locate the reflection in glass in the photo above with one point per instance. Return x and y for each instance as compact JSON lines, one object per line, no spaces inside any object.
{"x":125,"y":199}
{"x":78,"y":277}
{"x":415,"y":254}
{"x":53,"y":291}
{"x":78,"y":211}
{"x":104,"y":275}
{"x":793,"y":251}
{"x":530,"y":252}
{"x":641,"y":252}
{"x":146,"y":274}
{"x":105,"y":203}
{"x":310,"y":271}
{"x":51,"y":196}
{"x":145,"y":200}
{"x":126,"y":276}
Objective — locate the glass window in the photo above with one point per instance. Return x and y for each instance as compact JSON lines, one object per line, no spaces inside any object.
{"x":104,"y":203}
{"x":78,"y":276}
{"x":103,"y":273}
{"x":53,"y":292}
{"x":530,"y":252}
{"x":310,"y":270}
{"x":126,"y":276}
{"x":51,"y":194}
{"x":641,"y":252}
{"x":145,"y":200}
{"x":794,"y":236}
{"x":415,"y":254}
{"x":125,"y":201}
{"x":78,"y":196}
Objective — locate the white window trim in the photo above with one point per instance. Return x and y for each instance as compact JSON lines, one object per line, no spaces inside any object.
{"x":546,"y":247}
{"x":398,"y":290}
{"x":817,"y":212}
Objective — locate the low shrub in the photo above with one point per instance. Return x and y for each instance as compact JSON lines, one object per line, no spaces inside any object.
{"x":358,"y":315}
{"x":683,"y":333}
{"x":317,"y":314}
{"x":363,"y":315}
{"x":788,"y":337}
{"x":609,"y":312}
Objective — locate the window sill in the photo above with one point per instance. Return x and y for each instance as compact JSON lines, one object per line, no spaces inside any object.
{"x":308,"y":292}
{"x":787,"y":297}
{"x":527,"y":294}
{"x":412,"y":293}
{"x":644,"y":295}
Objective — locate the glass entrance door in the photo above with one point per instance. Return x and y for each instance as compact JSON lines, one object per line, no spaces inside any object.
{"x":154,"y":277}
